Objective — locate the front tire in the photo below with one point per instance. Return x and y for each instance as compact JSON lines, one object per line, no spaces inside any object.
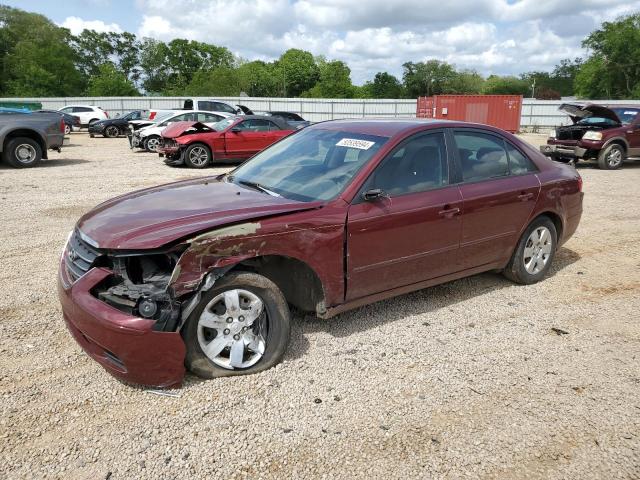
{"x":534,"y":253}
{"x":150,"y":144}
{"x":23,"y":152}
{"x":67,"y":129}
{"x":612,"y":157}
{"x":197,"y":156}
{"x":241,"y":326}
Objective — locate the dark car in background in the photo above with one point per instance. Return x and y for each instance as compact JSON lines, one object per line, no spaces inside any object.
{"x":338,"y":215}
{"x":70,"y":121}
{"x":113,"y":127}
{"x":608,"y":134}
{"x":233,"y":139}
{"x":291,"y":118}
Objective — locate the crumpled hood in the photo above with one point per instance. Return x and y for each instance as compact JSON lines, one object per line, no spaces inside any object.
{"x":179,"y":128}
{"x":577,"y":112}
{"x":153,"y":217}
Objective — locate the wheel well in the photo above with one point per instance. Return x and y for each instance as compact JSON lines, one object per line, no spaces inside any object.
{"x":557,"y":222}
{"x":25,"y":133}
{"x":298,"y":282}
{"x":620,"y":142}
{"x":200,"y":143}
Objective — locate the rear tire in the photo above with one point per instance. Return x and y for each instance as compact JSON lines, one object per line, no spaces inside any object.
{"x":612,"y":157}
{"x":22,"y":152}
{"x":241,"y":327}
{"x":197,"y":155}
{"x":534,"y":253}
{"x":67,"y":129}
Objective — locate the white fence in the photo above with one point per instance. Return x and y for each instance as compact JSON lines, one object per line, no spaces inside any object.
{"x":536,"y":114}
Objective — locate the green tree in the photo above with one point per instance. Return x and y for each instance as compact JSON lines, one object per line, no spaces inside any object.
{"x":110,"y":82}
{"x":257,"y":79}
{"x":296,"y":71}
{"x":169,"y":67}
{"x":465,"y":82}
{"x":427,"y":78}
{"x":613,"y":69}
{"x":507,"y":85}
{"x":222,"y":82}
{"x":384,"y":85}
{"x":35,"y":57}
{"x":335,"y":81}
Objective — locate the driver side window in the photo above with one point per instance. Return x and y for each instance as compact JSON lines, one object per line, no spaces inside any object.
{"x":418,"y":165}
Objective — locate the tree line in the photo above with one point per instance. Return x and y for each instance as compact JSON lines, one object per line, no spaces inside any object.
{"x":41,"y":59}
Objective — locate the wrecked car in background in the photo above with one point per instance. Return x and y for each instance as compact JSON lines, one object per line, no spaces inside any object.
{"x":608,"y":134}
{"x":113,"y":127}
{"x":200,"y":273}
{"x":231,"y":140}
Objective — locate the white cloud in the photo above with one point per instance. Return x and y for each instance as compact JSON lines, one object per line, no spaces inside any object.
{"x":77,"y":25}
{"x":492,"y":36}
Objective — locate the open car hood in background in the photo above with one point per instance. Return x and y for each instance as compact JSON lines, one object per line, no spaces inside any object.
{"x":577,"y":112}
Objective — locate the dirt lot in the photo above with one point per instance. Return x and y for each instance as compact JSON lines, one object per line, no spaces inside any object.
{"x":464,"y":379}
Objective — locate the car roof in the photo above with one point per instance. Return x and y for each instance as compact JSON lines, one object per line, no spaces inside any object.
{"x":281,"y":123}
{"x":384,"y":127}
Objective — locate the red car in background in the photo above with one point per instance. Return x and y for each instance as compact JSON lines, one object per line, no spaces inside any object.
{"x":234,"y":139}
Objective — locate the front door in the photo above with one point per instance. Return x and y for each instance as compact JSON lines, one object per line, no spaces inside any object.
{"x":411,"y":232}
{"x":499,"y":190}
{"x":247,"y":138}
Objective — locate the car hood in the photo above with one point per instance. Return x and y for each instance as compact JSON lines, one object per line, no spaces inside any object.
{"x":185,"y":128}
{"x":577,"y":112}
{"x":154,"y":217}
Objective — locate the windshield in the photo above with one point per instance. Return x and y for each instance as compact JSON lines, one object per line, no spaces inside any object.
{"x":626,"y":115}
{"x":222,"y":124}
{"x":596,"y":121}
{"x":309,"y":165}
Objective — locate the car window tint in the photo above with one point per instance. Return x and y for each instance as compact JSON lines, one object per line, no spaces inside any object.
{"x":272,"y":126}
{"x":223,"y":107}
{"x":67,"y":110}
{"x":482,"y":156}
{"x":419,"y":165}
{"x":208,"y":117}
{"x":518,"y":163}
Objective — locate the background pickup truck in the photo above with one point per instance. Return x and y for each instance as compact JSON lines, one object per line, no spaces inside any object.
{"x":26,"y":138}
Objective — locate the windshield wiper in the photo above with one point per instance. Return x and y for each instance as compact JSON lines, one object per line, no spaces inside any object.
{"x":257,"y":186}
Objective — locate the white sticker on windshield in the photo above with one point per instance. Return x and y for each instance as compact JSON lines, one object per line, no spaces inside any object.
{"x":631,"y":112}
{"x":355,"y":143}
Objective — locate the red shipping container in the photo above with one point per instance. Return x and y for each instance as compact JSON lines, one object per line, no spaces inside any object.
{"x":502,"y":111}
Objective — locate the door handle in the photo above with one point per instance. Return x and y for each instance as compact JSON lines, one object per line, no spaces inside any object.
{"x":448,"y":212}
{"x":525,"y":196}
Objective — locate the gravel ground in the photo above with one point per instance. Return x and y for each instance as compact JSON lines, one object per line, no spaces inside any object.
{"x":467,"y":379}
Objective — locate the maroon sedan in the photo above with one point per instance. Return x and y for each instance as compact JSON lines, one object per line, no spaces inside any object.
{"x":198,"y":145}
{"x":341,"y":214}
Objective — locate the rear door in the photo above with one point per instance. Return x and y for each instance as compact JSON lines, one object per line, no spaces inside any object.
{"x":499,"y":189}
{"x":412,"y":232}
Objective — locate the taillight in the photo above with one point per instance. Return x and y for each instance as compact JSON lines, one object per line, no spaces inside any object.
{"x":61,"y":125}
{"x":152,"y":115}
{"x":579,"y":183}
{"x":106,"y":113}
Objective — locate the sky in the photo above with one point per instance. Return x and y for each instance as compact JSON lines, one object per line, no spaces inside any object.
{"x":490,"y":36}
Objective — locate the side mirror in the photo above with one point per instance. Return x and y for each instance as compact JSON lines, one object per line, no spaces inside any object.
{"x":372,"y":194}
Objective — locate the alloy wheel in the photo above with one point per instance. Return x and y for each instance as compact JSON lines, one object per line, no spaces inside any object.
{"x":198,"y":156}
{"x":537,"y":250}
{"x":111,"y":131}
{"x":614,"y":158}
{"x":232,"y":329}
{"x":152,"y":144}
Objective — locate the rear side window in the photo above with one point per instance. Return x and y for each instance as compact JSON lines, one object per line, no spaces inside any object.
{"x":223,"y":107}
{"x":482,"y":156}
{"x":82,"y":109}
{"x":418,"y":165}
{"x":518,"y":163}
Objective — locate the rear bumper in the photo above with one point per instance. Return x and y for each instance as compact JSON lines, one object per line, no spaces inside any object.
{"x":126,"y":346}
{"x":563,"y":151}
